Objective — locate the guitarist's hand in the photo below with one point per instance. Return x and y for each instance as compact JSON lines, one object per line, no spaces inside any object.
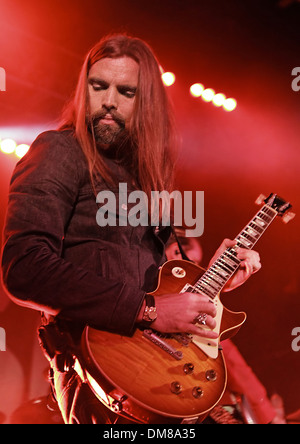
{"x":176,"y":313}
{"x":250,"y":264}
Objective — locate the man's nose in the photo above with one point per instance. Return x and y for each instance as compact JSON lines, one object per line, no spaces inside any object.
{"x":110,"y":98}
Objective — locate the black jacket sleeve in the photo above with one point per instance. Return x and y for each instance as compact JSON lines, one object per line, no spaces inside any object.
{"x":43,"y":192}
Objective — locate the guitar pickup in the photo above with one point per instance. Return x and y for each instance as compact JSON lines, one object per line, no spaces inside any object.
{"x":153,"y":337}
{"x":183,"y":338}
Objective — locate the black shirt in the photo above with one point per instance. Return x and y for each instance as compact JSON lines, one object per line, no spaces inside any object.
{"x":57,"y":259}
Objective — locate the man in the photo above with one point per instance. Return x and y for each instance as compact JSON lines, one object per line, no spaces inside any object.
{"x":117,"y":129}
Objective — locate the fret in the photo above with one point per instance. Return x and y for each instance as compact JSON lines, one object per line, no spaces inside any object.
{"x":229,"y":263}
{"x":245,"y":242}
{"x":221,"y":279}
{"x":252,"y":232}
{"x":272,"y":213}
{"x":206,"y":291}
{"x":259,"y":221}
{"x":230,"y":253}
{"x":216,"y":277}
{"x":241,"y":244}
{"x":221,"y":271}
{"x":225,"y":266}
{"x":268,"y":212}
{"x":248,"y":237}
{"x":201,"y":284}
{"x":256,"y":227}
{"x":207,"y":280}
{"x":209,"y":287}
{"x":264,"y":216}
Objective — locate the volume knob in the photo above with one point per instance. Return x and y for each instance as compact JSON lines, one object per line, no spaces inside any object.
{"x":176,"y":388}
{"x":211,"y":375}
{"x":197,"y":392}
{"x":188,"y":368}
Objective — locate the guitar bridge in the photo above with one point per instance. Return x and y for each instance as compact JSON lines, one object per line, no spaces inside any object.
{"x":153,"y":337}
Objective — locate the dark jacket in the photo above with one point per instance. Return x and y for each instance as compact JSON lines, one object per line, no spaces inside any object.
{"x":57,"y":259}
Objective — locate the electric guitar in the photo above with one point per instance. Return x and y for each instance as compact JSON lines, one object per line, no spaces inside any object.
{"x":175,"y":378}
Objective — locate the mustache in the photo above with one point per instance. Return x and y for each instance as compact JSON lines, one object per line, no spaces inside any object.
{"x":98,"y":115}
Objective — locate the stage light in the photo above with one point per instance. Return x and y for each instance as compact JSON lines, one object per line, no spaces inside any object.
{"x":196,"y":89}
{"x":168,"y":78}
{"x":208,"y":94}
{"x":219,"y":99}
{"x":8,"y":146}
{"x":230,"y":105}
{"x":21,"y":150}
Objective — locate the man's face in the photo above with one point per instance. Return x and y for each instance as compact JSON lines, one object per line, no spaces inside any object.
{"x":112,"y":85}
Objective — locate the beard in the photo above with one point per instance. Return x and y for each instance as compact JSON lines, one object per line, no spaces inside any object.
{"x":106,"y":134}
{"x":113,"y":141}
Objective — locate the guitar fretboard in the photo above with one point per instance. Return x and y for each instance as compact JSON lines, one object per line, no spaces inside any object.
{"x":216,"y":277}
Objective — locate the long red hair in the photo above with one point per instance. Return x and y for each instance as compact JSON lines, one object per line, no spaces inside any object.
{"x":151,"y":130}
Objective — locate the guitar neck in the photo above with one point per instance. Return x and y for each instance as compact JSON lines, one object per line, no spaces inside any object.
{"x":219,"y":273}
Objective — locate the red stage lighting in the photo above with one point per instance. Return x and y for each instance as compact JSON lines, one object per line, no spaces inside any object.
{"x":230,"y":105}
{"x":168,"y":78}
{"x":208,"y":95}
{"x":8,"y":146}
{"x":21,"y":150}
{"x":196,"y":89}
{"x":219,"y":99}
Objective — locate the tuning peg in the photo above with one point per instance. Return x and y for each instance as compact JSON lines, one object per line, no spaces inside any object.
{"x":260,"y":200}
{"x":288,"y":216}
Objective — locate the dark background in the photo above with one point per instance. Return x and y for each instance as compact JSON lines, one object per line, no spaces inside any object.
{"x":245,"y":49}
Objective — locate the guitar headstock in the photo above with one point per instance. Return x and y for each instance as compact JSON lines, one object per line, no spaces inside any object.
{"x":278,"y":204}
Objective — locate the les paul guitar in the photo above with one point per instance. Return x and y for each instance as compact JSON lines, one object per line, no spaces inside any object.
{"x":175,"y":378}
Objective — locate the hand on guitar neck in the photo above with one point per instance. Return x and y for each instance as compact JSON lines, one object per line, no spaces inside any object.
{"x":250,"y":264}
{"x":177,"y":312}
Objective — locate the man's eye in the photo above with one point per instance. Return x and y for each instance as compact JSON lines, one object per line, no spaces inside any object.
{"x":129,"y":93}
{"x":96,"y":87}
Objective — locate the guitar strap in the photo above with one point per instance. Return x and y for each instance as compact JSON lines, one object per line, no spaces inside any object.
{"x":183,"y":255}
